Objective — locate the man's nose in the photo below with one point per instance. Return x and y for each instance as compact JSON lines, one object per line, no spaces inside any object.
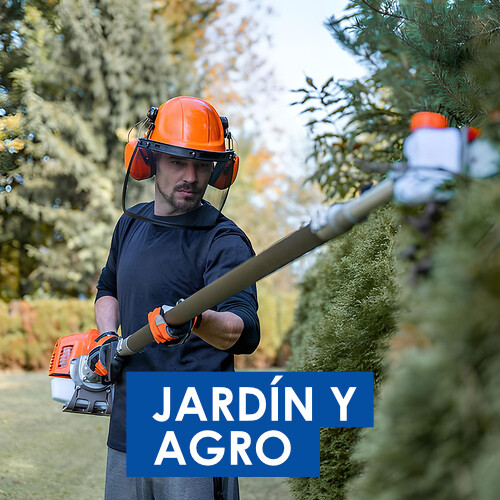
{"x":190,"y":173}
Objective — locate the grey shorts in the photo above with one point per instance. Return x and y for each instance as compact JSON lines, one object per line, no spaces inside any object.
{"x":121,"y":487}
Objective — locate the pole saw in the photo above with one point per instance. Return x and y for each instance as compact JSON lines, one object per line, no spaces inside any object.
{"x":434,"y":157}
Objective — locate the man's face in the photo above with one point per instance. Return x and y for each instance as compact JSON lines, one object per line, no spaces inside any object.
{"x":180,"y":184}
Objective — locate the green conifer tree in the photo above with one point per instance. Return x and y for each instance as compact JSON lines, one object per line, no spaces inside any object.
{"x":437,"y":429}
{"x":435,"y":435}
{"x":11,"y":57}
{"x":438,"y":421}
{"x":345,"y":316}
{"x":420,"y":56}
{"x":90,"y":69}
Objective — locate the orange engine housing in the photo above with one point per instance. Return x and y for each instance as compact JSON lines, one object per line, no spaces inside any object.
{"x":68,"y":348}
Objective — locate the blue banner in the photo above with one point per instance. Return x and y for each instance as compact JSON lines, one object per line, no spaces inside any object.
{"x":251,"y":424}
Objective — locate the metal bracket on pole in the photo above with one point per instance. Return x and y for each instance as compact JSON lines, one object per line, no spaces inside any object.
{"x":341,"y":217}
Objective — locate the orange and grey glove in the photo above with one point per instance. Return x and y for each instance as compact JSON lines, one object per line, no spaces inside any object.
{"x":103,"y":359}
{"x":172,"y":335}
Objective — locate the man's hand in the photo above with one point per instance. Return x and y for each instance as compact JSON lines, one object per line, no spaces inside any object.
{"x":103,"y":359}
{"x":172,"y":335}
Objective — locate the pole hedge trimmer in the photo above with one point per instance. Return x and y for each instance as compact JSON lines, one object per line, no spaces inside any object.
{"x":435,"y":155}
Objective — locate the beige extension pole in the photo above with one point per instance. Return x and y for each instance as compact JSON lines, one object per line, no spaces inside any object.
{"x":337,"y":220}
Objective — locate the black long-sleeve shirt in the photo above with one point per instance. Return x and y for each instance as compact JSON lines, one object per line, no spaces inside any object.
{"x":150,"y":265}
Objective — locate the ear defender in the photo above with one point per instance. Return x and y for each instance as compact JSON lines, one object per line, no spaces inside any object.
{"x":142,"y":167}
{"x":223,"y":177}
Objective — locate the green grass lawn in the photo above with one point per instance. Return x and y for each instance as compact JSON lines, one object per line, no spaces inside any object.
{"x":50,"y":455}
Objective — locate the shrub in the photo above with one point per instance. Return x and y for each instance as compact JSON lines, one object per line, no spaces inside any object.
{"x":344,"y":318}
{"x":438,"y":421}
{"x":30,"y":329}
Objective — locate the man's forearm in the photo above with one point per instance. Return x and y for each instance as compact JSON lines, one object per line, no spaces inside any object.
{"x":107,"y":314}
{"x":220,"y":329}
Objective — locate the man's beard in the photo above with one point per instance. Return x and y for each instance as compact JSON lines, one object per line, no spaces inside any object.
{"x":182,"y":204}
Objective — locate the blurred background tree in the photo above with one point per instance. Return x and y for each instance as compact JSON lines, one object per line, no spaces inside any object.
{"x":75,"y":76}
{"x":83,"y":76}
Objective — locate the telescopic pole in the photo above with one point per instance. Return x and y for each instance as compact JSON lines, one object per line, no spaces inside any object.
{"x":336,"y":220}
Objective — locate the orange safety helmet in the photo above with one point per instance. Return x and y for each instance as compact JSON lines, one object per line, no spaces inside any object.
{"x":186,"y":127}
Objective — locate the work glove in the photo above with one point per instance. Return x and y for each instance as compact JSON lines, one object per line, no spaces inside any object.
{"x":169,"y":334}
{"x":103,"y":359}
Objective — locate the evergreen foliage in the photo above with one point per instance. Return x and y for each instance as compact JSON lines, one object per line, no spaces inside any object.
{"x":421,"y":55}
{"x":345,"y":316}
{"x":438,"y":421}
{"x":74,"y":76}
{"x":83,"y":72}
{"x":436,"y":434}
{"x":11,"y":57}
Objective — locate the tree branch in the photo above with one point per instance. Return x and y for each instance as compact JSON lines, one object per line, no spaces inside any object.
{"x":386,"y":14}
{"x":445,"y":86}
{"x":490,"y":32}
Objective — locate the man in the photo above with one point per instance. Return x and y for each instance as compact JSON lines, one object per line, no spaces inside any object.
{"x":163,"y":252}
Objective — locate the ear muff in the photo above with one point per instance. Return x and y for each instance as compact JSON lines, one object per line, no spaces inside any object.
{"x":142,"y":166}
{"x":225,"y":173}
